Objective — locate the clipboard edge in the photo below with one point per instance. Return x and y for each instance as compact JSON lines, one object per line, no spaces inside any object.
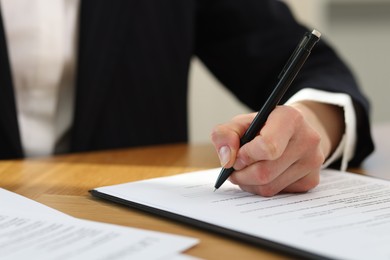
{"x":256,"y":241}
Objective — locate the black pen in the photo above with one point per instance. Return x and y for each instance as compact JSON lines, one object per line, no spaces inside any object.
{"x":285,"y":78}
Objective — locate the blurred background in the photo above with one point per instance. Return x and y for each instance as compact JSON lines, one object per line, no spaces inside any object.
{"x":358,"y":29}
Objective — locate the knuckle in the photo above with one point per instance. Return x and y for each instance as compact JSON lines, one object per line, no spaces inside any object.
{"x":315,"y":138}
{"x":310,"y":183}
{"x":315,"y":156}
{"x":272,"y":148}
{"x":266,"y":191}
{"x":263,"y":174}
{"x":318,"y":160}
{"x":314,"y":160}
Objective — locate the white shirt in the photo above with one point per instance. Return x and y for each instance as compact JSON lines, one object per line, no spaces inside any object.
{"x":41,"y":38}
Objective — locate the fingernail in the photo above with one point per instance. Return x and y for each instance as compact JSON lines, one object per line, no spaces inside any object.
{"x":224,"y":155}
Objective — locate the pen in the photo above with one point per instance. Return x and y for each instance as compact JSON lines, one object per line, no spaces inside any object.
{"x":285,"y":78}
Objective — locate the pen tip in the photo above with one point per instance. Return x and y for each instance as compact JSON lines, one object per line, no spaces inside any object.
{"x":215,"y":190}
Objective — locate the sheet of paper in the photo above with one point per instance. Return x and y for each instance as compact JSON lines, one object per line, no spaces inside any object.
{"x":347,"y":216}
{"x":16,"y":203}
{"x":48,"y":234}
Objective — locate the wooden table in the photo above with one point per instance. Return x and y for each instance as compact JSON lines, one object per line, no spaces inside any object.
{"x":62,"y":182}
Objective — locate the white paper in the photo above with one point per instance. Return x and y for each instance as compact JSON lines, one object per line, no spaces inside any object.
{"x":47,"y":235}
{"x":347,"y":216}
{"x":16,"y":203}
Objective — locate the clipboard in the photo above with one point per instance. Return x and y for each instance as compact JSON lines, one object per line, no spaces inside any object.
{"x":257,"y":241}
{"x":328,"y":222}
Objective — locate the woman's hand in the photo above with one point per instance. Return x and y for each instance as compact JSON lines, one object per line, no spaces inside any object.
{"x":287,"y":154}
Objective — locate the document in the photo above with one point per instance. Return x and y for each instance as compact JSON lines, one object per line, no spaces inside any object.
{"x":29,"y":230}
{"x":16,"y":203}
{"x":346,"y":217}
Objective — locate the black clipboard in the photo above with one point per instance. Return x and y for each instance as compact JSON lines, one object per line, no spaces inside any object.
{"x":254,"y":240}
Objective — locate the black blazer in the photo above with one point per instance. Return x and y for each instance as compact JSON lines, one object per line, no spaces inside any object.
{"x":133,"y":62}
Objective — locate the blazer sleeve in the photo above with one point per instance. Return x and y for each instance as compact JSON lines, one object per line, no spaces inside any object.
{"x":246,"y":43}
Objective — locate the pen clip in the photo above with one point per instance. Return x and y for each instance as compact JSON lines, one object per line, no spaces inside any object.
{"x":303,"y":41}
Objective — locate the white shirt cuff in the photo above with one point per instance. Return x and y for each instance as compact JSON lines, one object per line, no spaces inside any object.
{"x":346,"y":147}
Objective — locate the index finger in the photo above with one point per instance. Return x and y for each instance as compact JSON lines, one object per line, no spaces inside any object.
{"x":272,"y":140}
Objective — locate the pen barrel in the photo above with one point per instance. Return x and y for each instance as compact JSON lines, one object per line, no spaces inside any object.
{"x":223,"y":176}
{"x":289,"y":72}
{"x":286,"y":77}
